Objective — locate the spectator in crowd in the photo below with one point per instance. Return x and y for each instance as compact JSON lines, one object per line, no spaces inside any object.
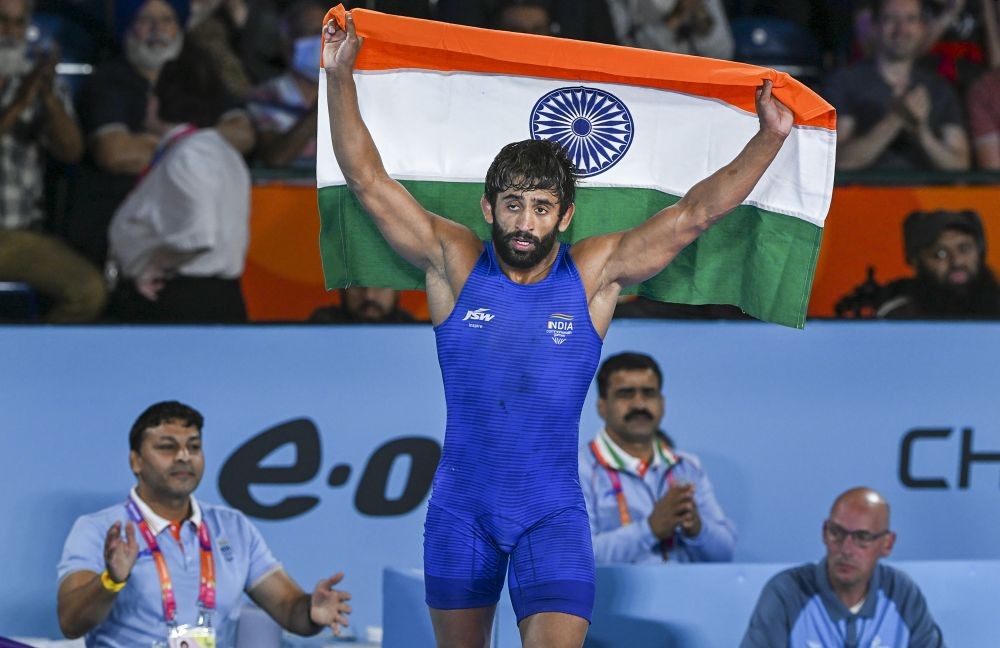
{"x":891,"y":113}
{"x":216,"y":27}
{"x":36,"y":117}
{"x":646,"y":501}
{"x":984,"y":120}
{"x":116,"y":562}
{"x":948,"y":251}
{"x":685,"y":26}
{"x":962,"y":40}
{"x":260,"y":43}
{"x":284,"y":108}
{"x":120,"y":117}
{"x":524,"y":16}
{"x":848,"y":598}
{"x":984,"y":98}
{"x":179,"y":240}
{"x":578,"y":19}
{"x":828,"y":21}
{"x":360,"y":305}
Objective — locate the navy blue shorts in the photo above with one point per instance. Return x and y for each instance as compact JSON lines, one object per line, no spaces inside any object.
{"x":551,"y":562}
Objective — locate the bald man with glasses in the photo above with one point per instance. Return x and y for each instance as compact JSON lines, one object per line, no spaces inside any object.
{"x":847,"y":599}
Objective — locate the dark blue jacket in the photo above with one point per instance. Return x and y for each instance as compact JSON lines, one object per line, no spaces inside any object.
{"x":798,"y":609}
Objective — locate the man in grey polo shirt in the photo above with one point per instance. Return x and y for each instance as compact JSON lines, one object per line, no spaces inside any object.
{"x":848,"y":599}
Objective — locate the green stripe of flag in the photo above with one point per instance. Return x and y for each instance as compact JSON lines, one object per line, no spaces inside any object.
{"x":758,"y":260}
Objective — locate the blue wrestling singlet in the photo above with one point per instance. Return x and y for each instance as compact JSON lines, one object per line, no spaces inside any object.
{"x":517,"y":361}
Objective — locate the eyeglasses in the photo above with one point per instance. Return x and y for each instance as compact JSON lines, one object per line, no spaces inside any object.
{"x":861,"y":537}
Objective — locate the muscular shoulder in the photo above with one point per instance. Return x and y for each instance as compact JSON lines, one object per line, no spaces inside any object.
{"x":593,"y":250}
{"x":591,"y":257}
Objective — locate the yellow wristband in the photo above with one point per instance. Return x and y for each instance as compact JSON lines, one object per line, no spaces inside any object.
{"x":110,"y":585}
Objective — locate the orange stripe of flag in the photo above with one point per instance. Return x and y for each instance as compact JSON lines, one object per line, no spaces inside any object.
{"x":396,"y":42}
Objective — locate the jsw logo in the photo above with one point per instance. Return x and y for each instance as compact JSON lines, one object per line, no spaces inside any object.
{"x":478,"y":314}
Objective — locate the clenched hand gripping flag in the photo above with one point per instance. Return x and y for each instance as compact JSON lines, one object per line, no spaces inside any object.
{"x":643,"y":127}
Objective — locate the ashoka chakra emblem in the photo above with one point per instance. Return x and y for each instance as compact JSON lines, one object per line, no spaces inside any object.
{"x":593,"y":126}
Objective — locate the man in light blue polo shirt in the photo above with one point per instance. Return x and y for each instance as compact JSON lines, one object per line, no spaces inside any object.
{"x":161,"y":565}
{"x":647,"y":502}
{"x":848,"y":599}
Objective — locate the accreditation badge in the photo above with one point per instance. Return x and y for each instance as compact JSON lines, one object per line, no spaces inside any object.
{"x":185,"y":636}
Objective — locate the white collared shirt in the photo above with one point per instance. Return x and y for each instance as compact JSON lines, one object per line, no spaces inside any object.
{"x":619,"y":459}
{"x":192,"y":206}
{"x":158,"y":524}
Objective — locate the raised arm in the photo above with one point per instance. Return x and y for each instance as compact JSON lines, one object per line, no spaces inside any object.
{"x":613,"y":261}
{"x":424,"y":239}
{"x":83,"y":602}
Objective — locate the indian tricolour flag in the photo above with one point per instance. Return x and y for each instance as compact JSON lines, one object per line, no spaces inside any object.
{"x":642,"y":127}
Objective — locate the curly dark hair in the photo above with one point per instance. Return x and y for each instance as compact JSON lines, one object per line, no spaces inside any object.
{"x":163,"y":412}
{"x":533,"y":164}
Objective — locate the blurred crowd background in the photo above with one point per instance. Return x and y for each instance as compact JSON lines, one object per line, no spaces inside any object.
{"x":134,"y":135}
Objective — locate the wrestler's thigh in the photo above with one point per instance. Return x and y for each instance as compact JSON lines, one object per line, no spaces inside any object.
{"x":462,"y":567}
{"x":552,"y":567}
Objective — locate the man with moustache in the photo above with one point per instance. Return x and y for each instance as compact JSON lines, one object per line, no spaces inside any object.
{"x":848,"y":598}
{"x":891,"y":113}
{"x":519,"y":322}
{"x":647,"y":502}
{"x":948,"y":251}
{"x":120,"y":116}
{"x":164,"y":565}
{"x":36,"y":118}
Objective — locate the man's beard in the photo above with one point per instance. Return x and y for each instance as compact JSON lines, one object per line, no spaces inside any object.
{"x":517,"y":259}
{"x":14,"y":59}
{"x":978,"y":296}
{"x":152,"y":57}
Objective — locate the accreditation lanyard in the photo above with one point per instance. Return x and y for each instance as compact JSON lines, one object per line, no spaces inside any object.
{"x":616,"y":482}
{"x":206,"y":589}
{"x":181,"y":132}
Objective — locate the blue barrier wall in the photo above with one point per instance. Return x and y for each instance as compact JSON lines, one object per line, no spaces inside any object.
{"x":705,"y":605}
{"x":782,"y":419}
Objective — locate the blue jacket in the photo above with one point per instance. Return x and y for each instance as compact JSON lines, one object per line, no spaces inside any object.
{"x":798,"y":608}
{"x":635,"y":542}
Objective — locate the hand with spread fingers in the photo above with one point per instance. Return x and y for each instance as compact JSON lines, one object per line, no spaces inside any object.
{"x":329,"y":606}
{"x":120,"y":553}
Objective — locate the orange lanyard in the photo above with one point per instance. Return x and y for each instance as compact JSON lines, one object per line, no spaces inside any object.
{"x":616,"y":483}
{"x":206,"y":588}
